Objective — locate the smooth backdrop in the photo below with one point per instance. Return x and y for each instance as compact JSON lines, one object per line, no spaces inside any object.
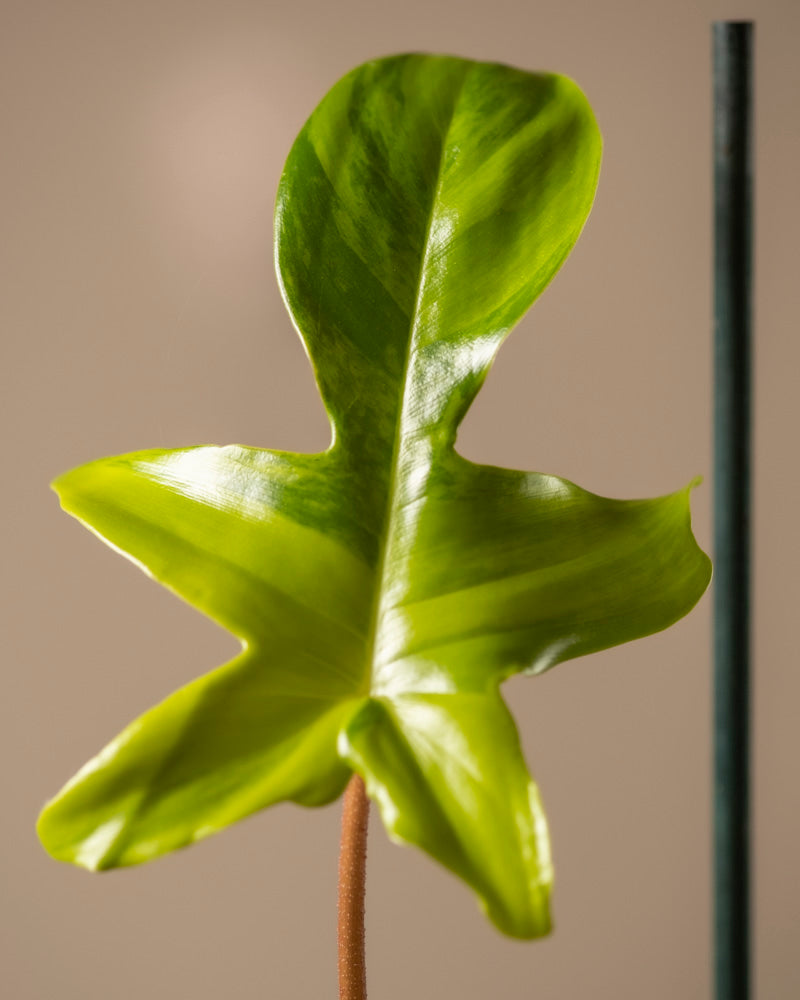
{"x":140,"y":148}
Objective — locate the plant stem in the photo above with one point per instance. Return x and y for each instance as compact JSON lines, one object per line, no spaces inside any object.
{"x":352,"y":885}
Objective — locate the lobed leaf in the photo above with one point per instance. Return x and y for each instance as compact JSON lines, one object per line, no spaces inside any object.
{"x":385,"y":588}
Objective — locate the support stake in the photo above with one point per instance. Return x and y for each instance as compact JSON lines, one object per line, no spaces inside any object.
{"x":732,"y":49}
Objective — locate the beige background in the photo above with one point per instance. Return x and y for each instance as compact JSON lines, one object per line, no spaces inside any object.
{"x":141,"y":148}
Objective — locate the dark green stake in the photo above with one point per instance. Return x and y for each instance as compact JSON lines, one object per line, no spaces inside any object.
{"x":732,"y":45}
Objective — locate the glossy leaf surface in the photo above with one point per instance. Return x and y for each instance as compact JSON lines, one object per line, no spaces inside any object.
{"x":385,"y":588}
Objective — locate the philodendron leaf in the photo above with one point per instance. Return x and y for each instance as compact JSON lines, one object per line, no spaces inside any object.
{"x":385,"y":588}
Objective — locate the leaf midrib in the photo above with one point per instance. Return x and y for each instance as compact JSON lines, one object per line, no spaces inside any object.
{"x":386,"y":528}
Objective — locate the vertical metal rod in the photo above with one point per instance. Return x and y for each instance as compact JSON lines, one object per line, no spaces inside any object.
{"x":732,"y":51}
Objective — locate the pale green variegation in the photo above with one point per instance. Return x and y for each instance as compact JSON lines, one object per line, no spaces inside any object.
{"x":385,"y":588}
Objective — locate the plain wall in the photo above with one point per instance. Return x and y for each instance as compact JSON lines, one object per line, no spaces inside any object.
{"x":141,"y":149}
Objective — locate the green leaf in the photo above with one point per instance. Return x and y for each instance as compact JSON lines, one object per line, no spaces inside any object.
{"x":385,"y":588}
